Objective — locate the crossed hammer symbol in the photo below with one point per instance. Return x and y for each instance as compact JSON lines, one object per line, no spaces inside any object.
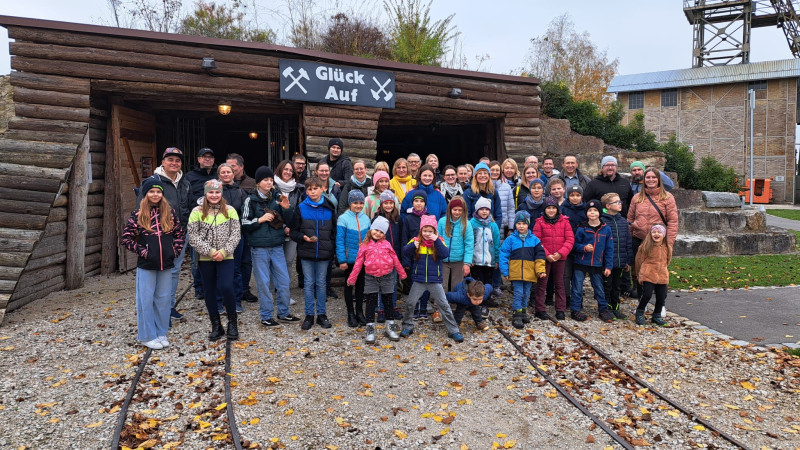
{"x":289,"y":73}
{"x":376,"y":94}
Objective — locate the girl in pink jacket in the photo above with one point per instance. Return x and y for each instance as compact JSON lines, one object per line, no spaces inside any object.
{"x":379,"y":260}
{"x":557,"y":238}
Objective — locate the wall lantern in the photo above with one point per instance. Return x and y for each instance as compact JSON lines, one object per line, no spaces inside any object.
{"x":224,"y":108}
{"x":253,"y":135}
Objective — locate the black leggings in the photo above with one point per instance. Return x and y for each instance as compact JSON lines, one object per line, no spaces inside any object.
{"x":372,"y":304}
{"x":359,"y":291}
{"x":647,"y":292}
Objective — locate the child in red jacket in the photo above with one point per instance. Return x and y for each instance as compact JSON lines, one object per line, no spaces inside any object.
{"x":555,"y":232}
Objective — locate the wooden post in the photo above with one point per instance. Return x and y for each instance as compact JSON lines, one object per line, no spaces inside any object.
{"x":76,"y":216}
{"x":108,"y":261}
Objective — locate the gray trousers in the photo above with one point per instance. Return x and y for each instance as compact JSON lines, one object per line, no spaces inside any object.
{"x":437,"y":295}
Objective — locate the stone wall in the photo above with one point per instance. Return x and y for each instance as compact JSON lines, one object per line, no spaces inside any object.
{"x":6,"y":105}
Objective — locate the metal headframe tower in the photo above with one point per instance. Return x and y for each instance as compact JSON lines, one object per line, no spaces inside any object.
{"x":722,"y":28}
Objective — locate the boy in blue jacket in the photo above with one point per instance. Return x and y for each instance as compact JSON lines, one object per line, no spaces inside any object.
{"x":623,"y":250}
{"x":468,"y":296}
{"x":522,"y":261}
{"x":594,"y":254}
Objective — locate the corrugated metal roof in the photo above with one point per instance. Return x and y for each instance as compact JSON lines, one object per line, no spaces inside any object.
{"x":765,"y":70}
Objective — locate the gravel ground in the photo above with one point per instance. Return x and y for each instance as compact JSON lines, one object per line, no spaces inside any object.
{"x":68,"y":360}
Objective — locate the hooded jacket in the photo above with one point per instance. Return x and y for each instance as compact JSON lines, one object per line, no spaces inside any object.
{"x":378,"y":259}
{"x":341,"y":169}
{"x":426,"y":269}
{"x":602,"y":255}
{"x":621,"y":239}
{"x":177,"y":194}
{"x":263,"y":234}
{"x":487,"y":243}
{"x":435,"y":202}
{"x":461,"y":243}
{"x":459,"y":293}
{"x":522,"y":259}
{"x":470,"y":198}
{"x":314,"y":219}
{"x":556,"y":237}
{"x":156,"y":249}
{"x":507,"y":207}
{"x":351,"y":229}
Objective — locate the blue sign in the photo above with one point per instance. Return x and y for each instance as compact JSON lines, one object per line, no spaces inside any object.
{"x":310,"y":81}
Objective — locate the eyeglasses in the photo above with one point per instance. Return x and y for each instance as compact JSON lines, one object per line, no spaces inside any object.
{"x":414,"y":162}
{"x":618,"y":202}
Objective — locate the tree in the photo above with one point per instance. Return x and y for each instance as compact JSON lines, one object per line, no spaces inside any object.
{"x":563,"y":55}
{"x":220,"y":21}
{"x":355,"y":37}
{"x":304,"y":28}
{"x":153,"y":15}
{"x":415,"y":37}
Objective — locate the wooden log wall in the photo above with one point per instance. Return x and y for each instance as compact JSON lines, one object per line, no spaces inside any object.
{"x":356,"y":126}
{"x":522,"y":136}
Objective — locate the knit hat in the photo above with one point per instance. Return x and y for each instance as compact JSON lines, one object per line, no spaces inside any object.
{"x":483,"y":202}
{"x":455,"y":203}
{"x":379,"y":175}
{"x":427,"y":221}
{"x":575,"y":188}
{"x":336,"y":141}
{"x":264,"y":172}
{"x":150,"y":183}
{"x":355,"y":196}
{"x":536,"y":181}
{"x":419,"y":193}
{"x":522,"y":216}
{"x":550,"y":201}
{"x":386,"y":196}
{"x":380,"y":223}
{"x":594,"y":204}
{"x":638,"y":164}
{"x":482,"y":166}
{"x":660,"y":228}
{"x":212,"y":185}
{"x":205,"y":150}
{"x":608,"y":159}
{"x":173,"y":151}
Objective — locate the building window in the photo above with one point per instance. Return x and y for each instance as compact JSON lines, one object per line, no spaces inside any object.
{"x":669,"y":97}
{"x":760,"y":85}
{"x":636,"y":100}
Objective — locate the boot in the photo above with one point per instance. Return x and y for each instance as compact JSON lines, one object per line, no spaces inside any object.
{"x":517,"y":320}
{"x":360,"y":315}
{"x":352,"y":321}
{"x":322,"y":320}
{"x":370,"y":337}
{"x":640,"y":320}
{"x":390,"y":331}
{"x":233,"y":327}
{"x":525,"y":318}
{"x":308,"y":322}
{"x":216,"y":328}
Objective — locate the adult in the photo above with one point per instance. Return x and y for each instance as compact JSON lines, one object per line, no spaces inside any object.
{"x":331,"y":192}
{"x":300,"y":167}
{"x":511,"y":172}
{"x":414,"y":163}
{"x":548,"y":164}
{"x":380,"y":184}
{"x":242,"y":180}
{"x":532,"y":160}
{"x":608,"y":180}
{"x":506,"y":195}
{"x":402,"y":182}
{"x":288,"y":186}
{"x":436,"y":205}
{"x":359,"y":180}
{"x":235,"y":197}
{"x":450,"y":187}
{"x":482,"y":186}
{"x":381,"y":165}
{"x":204,"y":171}
{"x":341,"y":167}
{"x":463,"y":176}
{"x":637,"y":178}
{"x":571,"y":174}
{"x":523,"y":189}
{"x":433,"y":161}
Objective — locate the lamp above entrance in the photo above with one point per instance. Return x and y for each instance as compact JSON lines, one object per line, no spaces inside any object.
{"x":224,"y":108}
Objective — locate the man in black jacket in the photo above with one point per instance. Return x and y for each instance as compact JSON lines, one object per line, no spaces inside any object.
{"x":571,"y":174}
{"x":341,"y":167}
{"x":608,"y":180}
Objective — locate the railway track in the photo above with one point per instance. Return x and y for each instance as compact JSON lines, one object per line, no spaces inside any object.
{"x":623,"y":405}
{"x":142,"y":427}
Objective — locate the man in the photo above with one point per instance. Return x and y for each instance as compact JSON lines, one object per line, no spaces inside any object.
{"x":608,"y":180}
{"x":547,"y":170}
{"x":571,"y":174}
{"x":414,"y":163}
{"x":300,"y":166}
{"x":462,"y":175}
{"x":637,"y":178}
{"x":532,"y":160}
{"x":341,"y":167}
{"x":239,"y":177}
{"x":206,"y":170}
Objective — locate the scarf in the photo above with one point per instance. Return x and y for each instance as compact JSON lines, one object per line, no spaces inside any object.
{"x":426,"y":243}
{"x":405,"y":182}
{"x":485,"y":222}
{"x":286,"y":187}
{"x":533,"y":204}
{"x":417,"y":213}
{"x":356,"y":182}
{"x":313,"y":203}
{"x":554,"y":219}
{"x":452,"y":191}
{"x":522,"y":236}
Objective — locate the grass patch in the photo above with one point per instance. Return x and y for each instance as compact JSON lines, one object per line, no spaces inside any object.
{"x":793,"y":351}
{"x":793,"y":214}
{"x":732,"y":272}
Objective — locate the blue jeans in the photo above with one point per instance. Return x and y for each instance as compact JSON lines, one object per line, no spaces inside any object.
{"x":238,"y":292}
{"x":576,"y":301}
{"x":176,"y":273}
{"x":522,"y":292}
{"x":315,"y":274}
{"x":152,"y":303}
{"x":269,"y":261}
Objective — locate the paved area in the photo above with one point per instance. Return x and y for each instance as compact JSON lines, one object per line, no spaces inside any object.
{"x":775,"y":221}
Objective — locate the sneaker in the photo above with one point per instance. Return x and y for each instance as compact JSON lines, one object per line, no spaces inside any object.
{"x":270,"y":322}
{"x":307,"y":323}
{"x":322,"y":320}
{"x":155,"y":344}
{"x":560,"y":315}
{"x":541,"y":315}
{"x":164,"y":341}
{"x":381,"y":316}
{"x":292,"y":301}
{"x":175,"y":315}
{"x":423,"y":315}
{"x":656,"y":320}
{"x":517,"y":322}
{"x":580,"y":316}
{"x":436,"y":316}
{"x":640,"y":320}
{"x":618,"y":314}
{"x":249,"y":297}
{"x":239,"y":309}
{"x":606,"y":316}
{"x":370,"y":336}
{"x":391,"y":332}
{"x":482,"y":326}
{"x":406,"y":332}
{"x":485,"y":312}
{"x":457,"y":336}
{"x":288,"y":318}
{"x":525,"y":318}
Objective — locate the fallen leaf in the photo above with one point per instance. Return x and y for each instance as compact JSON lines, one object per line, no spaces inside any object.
{"x":400,"y":434}
{"x":255,"y":421}
{"x":510,"y":444}
{"x":95,"y":425}
{"x":748,"y":385}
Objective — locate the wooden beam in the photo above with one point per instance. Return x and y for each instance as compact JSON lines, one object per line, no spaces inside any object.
{"x":51,"y":112}
{"x":45,"y":136}
{"x":50,"y":83}
{"x":108,"y":262}
{"x":465,"y":84}
{"x":76,"y":217}
{"x":55,"y":98}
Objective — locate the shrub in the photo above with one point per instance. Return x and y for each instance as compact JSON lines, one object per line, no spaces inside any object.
{"x":681,"y":161}
{"x":713,"y":176}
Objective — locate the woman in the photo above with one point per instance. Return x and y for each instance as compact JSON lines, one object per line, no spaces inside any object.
{"x":436,"y":205}
{"x":358,"y":181}
{"x":214,"y":232}
{"x":506,"y":194}
{"x":523,"y":189}
{"x":235,"y":197}
{"x":332,"y":191}
{"x":450,"y":186}
{"x":287,"y":184}
{"x":482,"y":186}
{"x":402,"y":182}
{"x":653,"y":204}
{"x":433,"y":161}
{"x":511,"y":172}
{"x":380,"y":165}
{"x":381,"y":184}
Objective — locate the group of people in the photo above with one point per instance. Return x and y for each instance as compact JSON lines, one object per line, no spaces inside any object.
{"x":455,"y":234}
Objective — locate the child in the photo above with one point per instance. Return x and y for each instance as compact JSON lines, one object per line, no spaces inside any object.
{"x":557,"y":240}
{"x":594,"y":254}
{"x":652,"y":259}
{"x":621,"y":241}
{"x":573,"y":209}
{"x":468,"y":296}
{"x":556,"y":189}
{"x":351,"y":228}
{"x":214,"y":232}
{"x":380,"y":181}
{"x":426,"y":252}
{"x":264,"y":214}
{"x":522,"y":262}
{"x":411,"y":223}
{"x":380,"y":261}
{"x":486,"y":240}
{"x":155,"y":234}
{"x":534,"y":202}
{"x":458,"y":235}
{"x":388,"y":210}
{"x":313,"y":227}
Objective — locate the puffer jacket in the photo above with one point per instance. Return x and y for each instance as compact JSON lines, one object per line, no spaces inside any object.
{"x":653,"y":269}
{"x":215,"y":232}
{"x":459,"y":293}
{"x":351,"y":229}
{"x":522,"y":259}
{"x":156,"y":249}
{"x":470,"y":198}
{"x":410,"y":227}
{"x":373,"y":203}
{"x":621,"y":239}
{"x":602,"y":255}
{"x":377,"y":258}
{"x":314,"y":219}
{"x":342,"y":204}
{"x":507,"y":208}
{"x":234,"y":196}
{"x":460,"y":243}
{"x":263,"y":234}
{"x":556,"y":237}
{"x":487,"y":243}
{"x":426,"y":269}
{"x":394,"y":235}
{"x":575,"y":213}
{"x":435,"y":204}
{"x":642,"y":216}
